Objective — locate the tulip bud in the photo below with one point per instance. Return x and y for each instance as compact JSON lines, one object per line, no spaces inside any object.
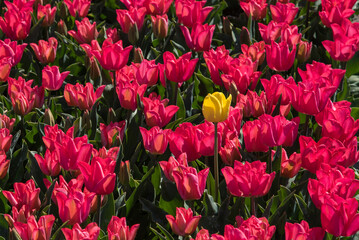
{"x":95,"y":71}
{"x":233,"y":90}
{"x":160,"y":26}
{"x":63,"y":11}
{"x":62,"y":28}
{"x":111,"y":115}
{"x":68,"y":124}
{"x":133,"y":34}
{"x":124,"y":175}
{"x":244,"y":37}
{"x":49,"y":118}
{"x":227,"y":26}
{"x":138,"y":58}
{"x":86,"y":120}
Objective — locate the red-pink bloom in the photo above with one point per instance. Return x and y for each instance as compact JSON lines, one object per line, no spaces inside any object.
{"x":157,"y":7}
{"x":339,"y":217}
{"x":73,"y":185}
{"x":256,"y":51}
{"x":190,"y":12}
{"x":290,"y":35}
{"x":74,"y":206}
{"x":190,"y":184}
{"x":301,"y":231}
{"x":127,"y":92}
{"x":113,"y":34}
{"x":23,"y":97}
{"x":53,"y":134}
{"x":16,"y":24}
{"x":322,"y":73}
{"x":91,"y":232}
{"x":157,"y":113}
{"x":11,"y":53}
{"x":310,"y":97}
{"x":99,"y":177}
{"x":80,"y":96}
{"x":78,"y":7}
{"x":181,"y":69}
{"x":50,"y":163}
{"x":109,"y":132}
{"x":147,"y":72}
{"x":248,"y":179}
{"x":4,"y":165}
{"x":217,"y":60}
{"x":230,"y":152}
{"x":230,"y":233}
{"x":118,"y":230}
{"x":6,"y":122}
{"x":72,"y":151}
{"x":52,"y":79}
{"x":200,"y":37}
{"x":104,"y":153}
{"x":20,"y":5}
{"x":128,"y":18}
{"x":231,"y":127}
{"x":133,"y":3}
{"x":270,"y":32}
{"x":25,"y":195}
{"x":278,"y":86}
{"x":252,"y":104}
{"x":283,"y":12}
{"x":256,"y":228}
{"x":35,"y":230}
{"x":279,"y":56}
{"x":242,"y":73}
{"x":5,"y":68}
{"x":205,"y":137}
{"x":257,"y":9}
{"x":45,"y":51}
{"x":184,"y":140}
{"x":160,"y":26}
{"x":185,"y":223}
{"x":169,"y":166}
{"x":5,"y":139}
{"x":339,"y":181}
{"x":327,"y":150}
{"x":203,"y":234}
{"x":289,"y":167}
{"x":336,"y":11}
{"x":112,"y":56}
{"x":155,"y":140}
{"x":86,"y":32}
{"x":268,"y":131}
{"x":337,"y":122}
{"x":48,"y":13}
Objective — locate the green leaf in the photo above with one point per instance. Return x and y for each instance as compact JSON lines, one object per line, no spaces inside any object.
{"x":107,"y":211}
{"x":159,"y":235}
{"x":58,"y":231}
{"x":156,"y":179}
{"x":36,"y":172}
{"x":157,"y":214}
{"x":342,"y":95}
{"x":352,"y":66}
{"x":181,"y":113}
{"x":137,"y":192}
{"x":165,"y":232}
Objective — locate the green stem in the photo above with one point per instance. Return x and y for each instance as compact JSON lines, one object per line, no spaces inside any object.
{"x":253,"y":206}
{"x":307,"y":14}
{"x":216,"y":170}
{"x":99,"y":209}
{"x":269,"y":161}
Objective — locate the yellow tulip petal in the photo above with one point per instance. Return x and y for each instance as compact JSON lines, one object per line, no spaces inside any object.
{"x":211,"y":108}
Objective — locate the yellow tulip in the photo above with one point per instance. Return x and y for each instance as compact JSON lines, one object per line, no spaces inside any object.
{"x":216,"y":107}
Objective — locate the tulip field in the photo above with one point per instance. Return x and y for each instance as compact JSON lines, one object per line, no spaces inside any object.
{"x":179,"y":119}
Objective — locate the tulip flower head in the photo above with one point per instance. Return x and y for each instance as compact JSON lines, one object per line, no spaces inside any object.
{"x":118,"y":229}
{"x":185,"y":223}
{"x":216,"y":107}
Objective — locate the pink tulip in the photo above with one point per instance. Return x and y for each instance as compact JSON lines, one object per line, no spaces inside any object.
{"x":20,"y":5}
{"x":185,"y":223}
{"x":248,"y":179}
{"x":270,"y":32}
{"x":160,"y":26}
{"x":52,"y":79}
{"x":11,"y":53}
{"x":35,"y":230}
{"x":99,"y":177}
{"x":48,"y":13}
{"x":157,"y":113}
{"x":112,"y":56}
{"x":216,"y":61}
{"x":155,"y":140}
{"x":280,"y":57}
{"x":109,"y":132}
{"x":299,"y":231}
{"x":256,"y":51}
{"x":230,"y":152}
{"x":289,"y":167}
{"x":53,"y":134}
{"x":4,"y":165}
{"x":147,"y":72}
{"x":82,"y":97}
{"x":118,"y":230}
{"x":78,"y":7}
{"x":190,"y":12}
{"x":5,"y":140}
{"x":283,"y":12}
{"x":257,"y":228}
{"x":127,"y":93}
{"x":257,"y":9}
{"x":16,"y":24}
{"x":157,"y":7}
{"x":181,"y":69}
{"x":128,"y":18}
{"x":86,"y":32}
{"x":200,"y":37}
{"x":91,"y":232}
{"x":6,"y":122}
{"x":50,"y":163}
{"x":45,"y":51}
{"x":169,"y":166}
{"x":190,"y":184}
